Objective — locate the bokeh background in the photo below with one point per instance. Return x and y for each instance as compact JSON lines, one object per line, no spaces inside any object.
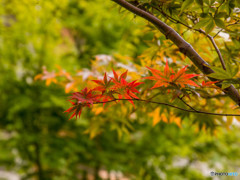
{"x":36,"y":139}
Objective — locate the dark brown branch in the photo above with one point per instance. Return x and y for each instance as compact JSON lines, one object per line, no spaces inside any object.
{"x":170,"y":105}
{"x":181,"y":98}
{"x":184,"y":46}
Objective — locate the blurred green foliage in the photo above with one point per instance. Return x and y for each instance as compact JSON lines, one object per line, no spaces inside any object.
{"x":38,"y":142}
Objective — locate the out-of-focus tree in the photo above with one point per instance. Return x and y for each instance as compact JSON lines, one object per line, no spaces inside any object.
{"x":78,"y":41}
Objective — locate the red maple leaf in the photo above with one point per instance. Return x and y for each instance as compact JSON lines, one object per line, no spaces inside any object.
{"x":103,"y":85}
{"x":85,"y":98}
{"x":170,"y":78}
{"x":76,"y":109}
{"x":118,"y":78}
{"x":209,"y":83}
{"x":124,"y":88}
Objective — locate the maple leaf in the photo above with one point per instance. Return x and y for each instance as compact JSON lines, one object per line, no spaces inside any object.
{"x":85,"y":98}
{"x":124,"y":88}
{"x":170,"y":78}
{"x":118,"y":78}
{"x":103,"y":85}
{"x":64,"y":73}
{"x":174,"y":119}
{"x":208,"y":84}
{"x":48,"y":76}
{"x":155,"y":115}
{"x":76,"y":109}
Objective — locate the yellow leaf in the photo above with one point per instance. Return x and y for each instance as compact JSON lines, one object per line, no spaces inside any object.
{"x":48,"y":82}
{"x":97,"y":110}
{"x":39,"y":76}
{"x":54,"y":80}
{"x":238,"y":118}
{"x":175,"y":119}
{"x":155,"y":115}
{"x":215,"y":133}
{"x":202,"y":102}
{"x":164,"y":118}
{"x":229,"y":121}
{"x":204,"y":127}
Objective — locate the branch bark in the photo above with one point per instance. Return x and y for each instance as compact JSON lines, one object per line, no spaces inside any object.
{"x":183,"y":46}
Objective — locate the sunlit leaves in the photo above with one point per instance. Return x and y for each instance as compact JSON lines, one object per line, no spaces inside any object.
{"x":222,"y":74}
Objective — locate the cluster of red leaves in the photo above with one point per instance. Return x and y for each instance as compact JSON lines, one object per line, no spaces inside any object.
{"x":104,"y":92}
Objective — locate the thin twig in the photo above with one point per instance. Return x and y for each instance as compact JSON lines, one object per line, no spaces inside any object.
{"x":219,"y":7}
{"x":235,"y":23}
{"x":216,"y":48}
{"x":170,"y":105}
{"x":181,"y":98}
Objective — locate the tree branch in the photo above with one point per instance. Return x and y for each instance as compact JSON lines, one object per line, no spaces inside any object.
{"x":181,"y":98}
{"x":183,"y":46}
{"x":170,"y":105}
{"x":227,"y":26}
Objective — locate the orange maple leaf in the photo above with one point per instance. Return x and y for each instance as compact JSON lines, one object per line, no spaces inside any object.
{"x":208,"y":84}
{"x":170,"y":78}
{"x":124,"y":88}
